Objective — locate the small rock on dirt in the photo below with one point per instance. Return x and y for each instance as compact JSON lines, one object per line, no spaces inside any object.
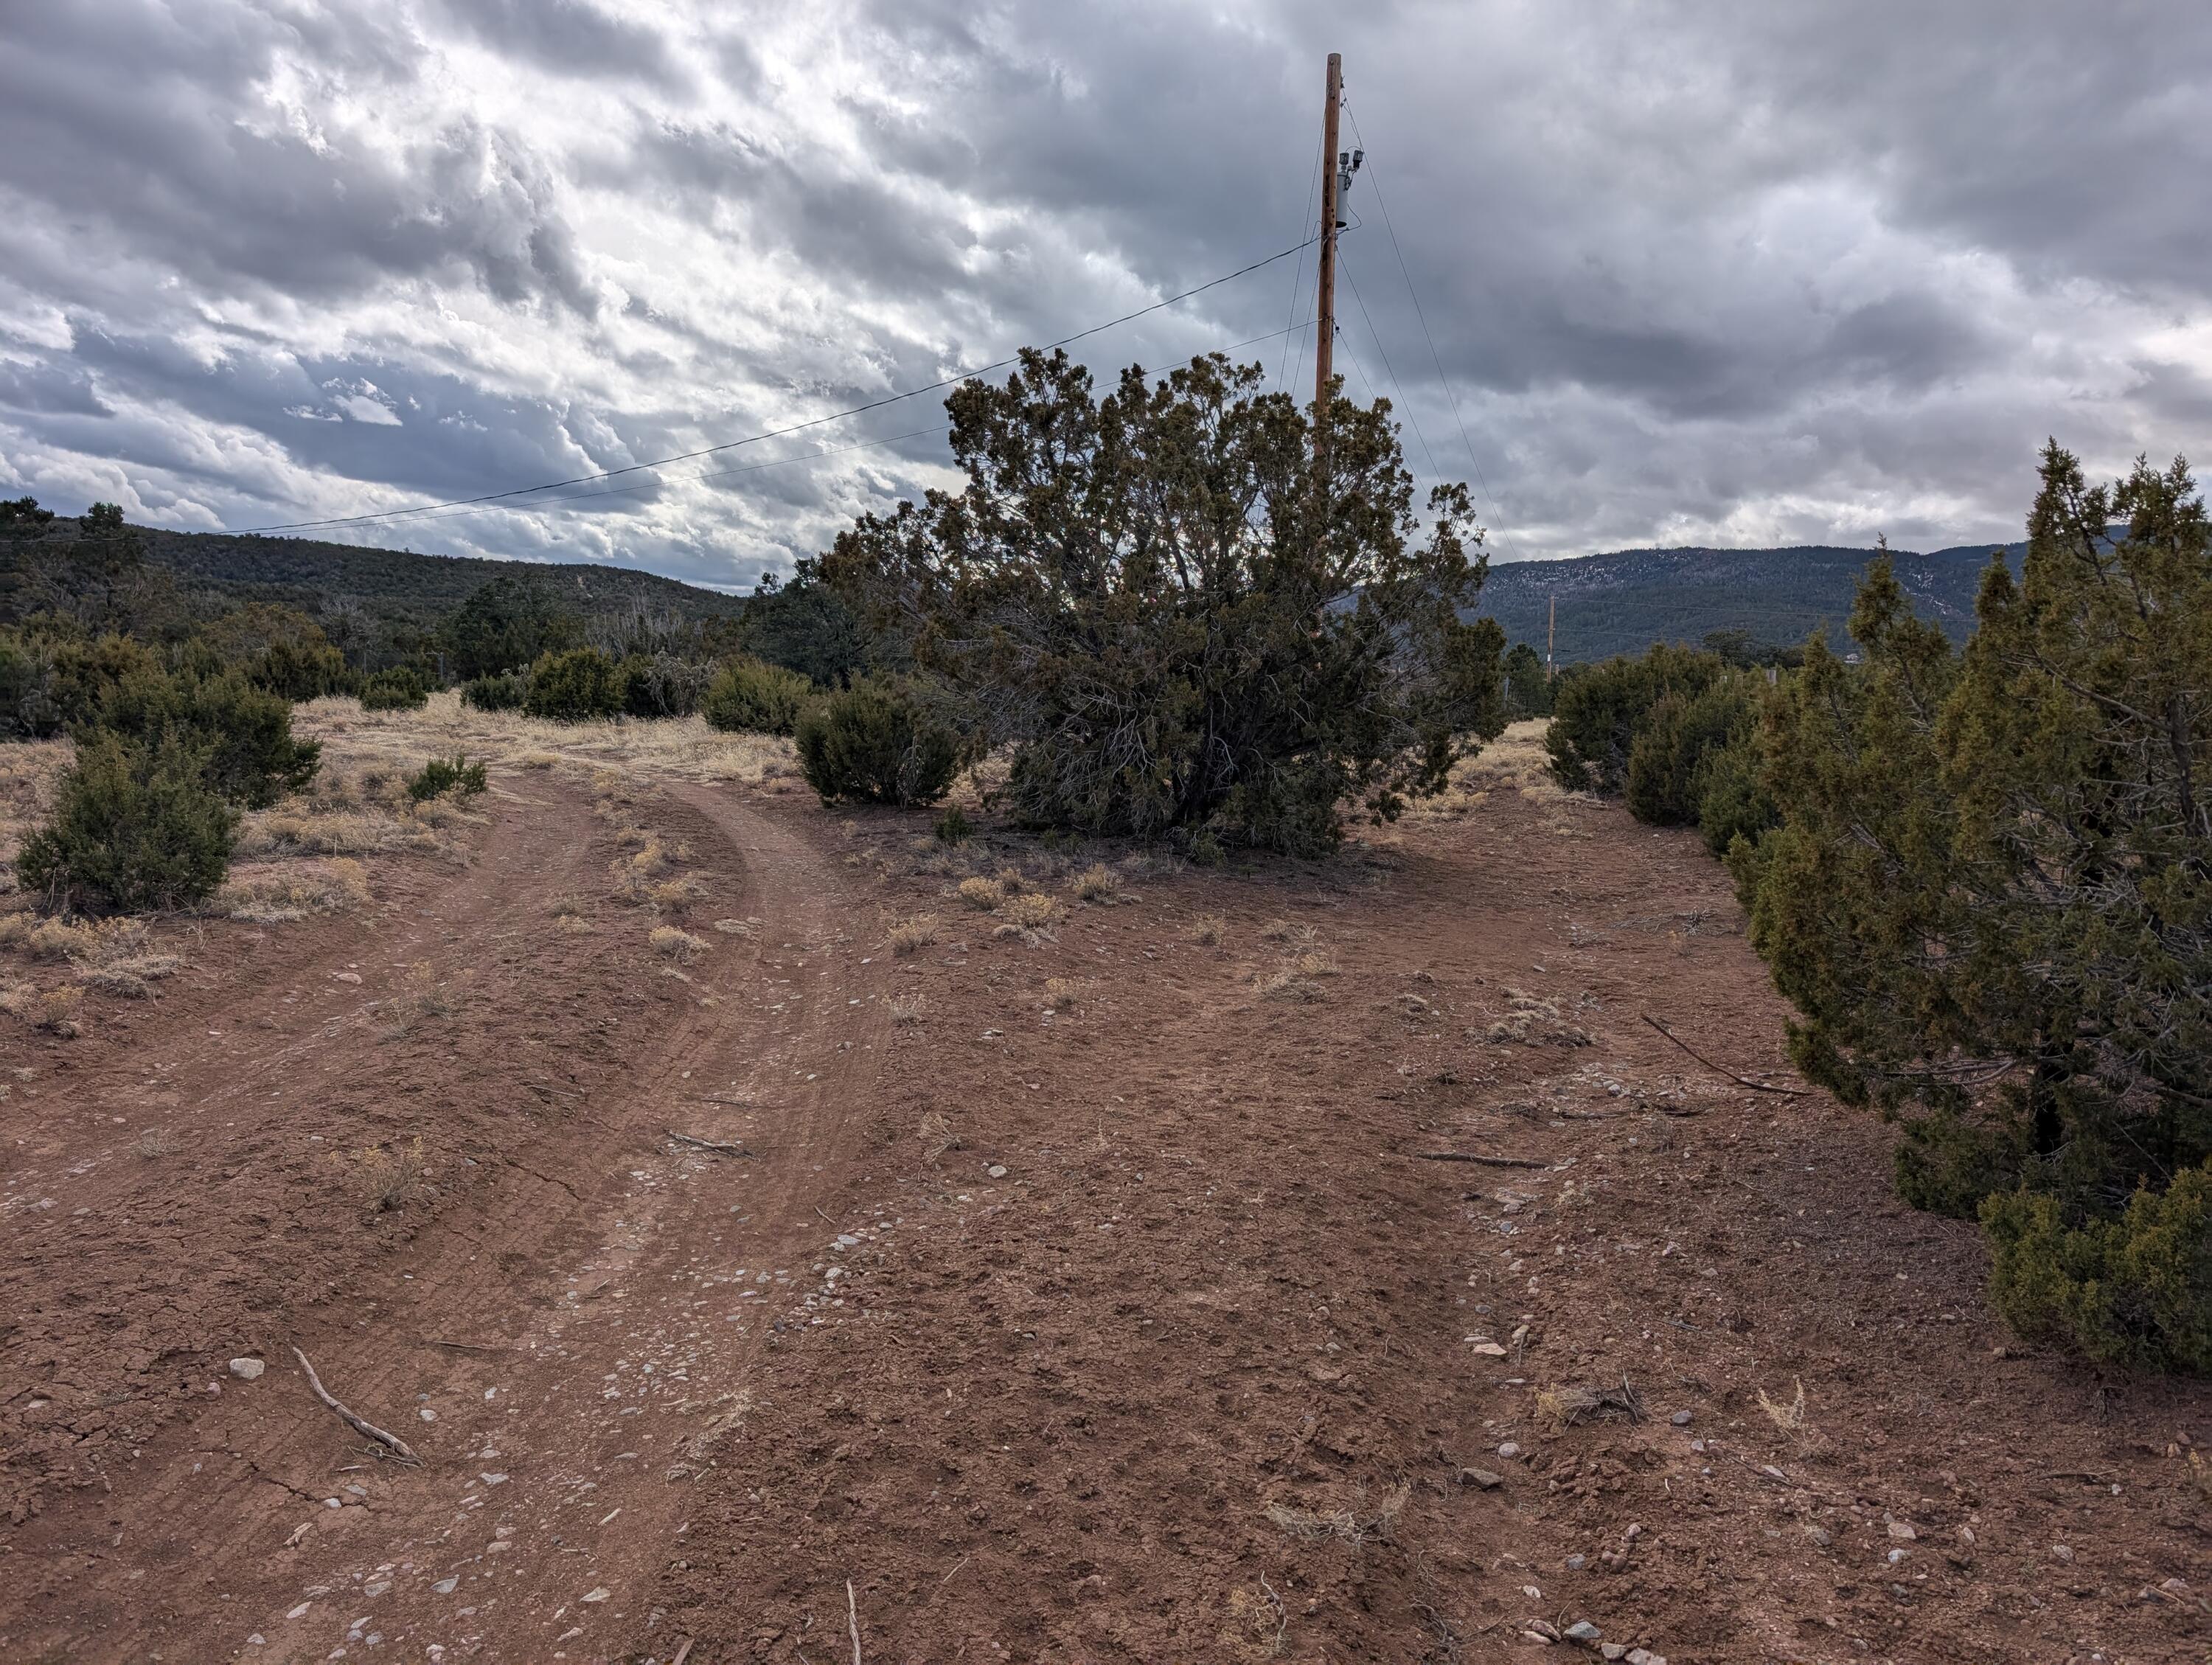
{"x":995,"y":1171}
{"x":1681,"y":1418}
{"x":599,"y":1595}
{"x":247,"y":1370}
{"x":1821,"y":1535}
{"x":1509,"y":1450}
{"x":1645,"y":1656}
{"x":1582,"y":1631}
{"x":446,"y":1586}
{"x":1902,"y":1529}
{"x":1481,"y":1477}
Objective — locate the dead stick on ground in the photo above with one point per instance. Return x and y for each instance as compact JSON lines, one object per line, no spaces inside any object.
{"x":708,"y":1143}
{"x":709,"y":1098}
{"x":1740,"y":1080}
{"x":957,"y":1565}
{"x":853,"y":1619}
{"x":398,"y":1447}
{"x":1485,"y":1161}
{"x":682,"y":1653}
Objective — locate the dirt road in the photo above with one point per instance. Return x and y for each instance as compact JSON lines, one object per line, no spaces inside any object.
{"x":1079,"y":1293}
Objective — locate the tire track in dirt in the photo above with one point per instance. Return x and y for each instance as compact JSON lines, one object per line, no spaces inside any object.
{"x":572,"y":1341}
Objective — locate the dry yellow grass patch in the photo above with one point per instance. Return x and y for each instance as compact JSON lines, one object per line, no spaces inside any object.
{"x":1790,"y":1417}
{"x":385,"y":1179}
{"x":1064,"y":993}
{"x":906,"y":1011}
{"x":936,"y":1136}
{"x":1351,"y":1526}
{"x":910,"y":936}
{"x":53,"y":1009}
{"x":1097,"y":883}
{"x":292,"y":892}
{"x":1029,"y":911}
{"x":982,"y":894}
{"x":1530,"y":1021}
{"x":1207,"y":930}
{"x":679,"y":945}
{"x":1515,"y":762}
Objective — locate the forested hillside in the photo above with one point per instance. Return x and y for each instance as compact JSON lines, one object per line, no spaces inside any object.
{"x":1623,"y":601}
{"x":399,"y":587}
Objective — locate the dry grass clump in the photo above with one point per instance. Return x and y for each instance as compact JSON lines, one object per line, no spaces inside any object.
{"x":1281,"y":930}
{"x":53,"y":1009}
{"x":1028,"y":915}
{"x":421,"y":995}
{"x":937,"y":1137}
{"x":911,"y":935}
{"x":675,"y":892}
{"x":568,"y":914}
{"x":1287,"y":985}
{"x":1515,"y":762}
{"x":293,"y":893}
{"x":737,"y":927}
{"x":984,"y":895}
{"x":1064,"y":994}
{"x":906,"y":1011}
{"x":1314,"y":965}
{"x":385,"y":1179}
{"x":156,"y":1143}
{"x":1349,"y":1526}
{"x":1097,"y":883}
{"x":1790,"y":1417}
{"x":676,"y":944}
{"x":1207,"y":930}
{"x":1530,"y":1021}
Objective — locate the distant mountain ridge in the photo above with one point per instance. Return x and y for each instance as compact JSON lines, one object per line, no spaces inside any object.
{"x":1624,"y":601}
{"x":1617,"y":603}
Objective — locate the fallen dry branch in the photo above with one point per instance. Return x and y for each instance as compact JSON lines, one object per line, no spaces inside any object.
{"x":1740,"y":1080}
{"x":715,"y":1144}
{"x":1481,"y":1161}
{"x":853,"y":1619}
{"x":398,"y":1447}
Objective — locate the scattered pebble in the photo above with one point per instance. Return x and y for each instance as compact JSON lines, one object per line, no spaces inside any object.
{"x":1509,"y":1450}
{"x":1681,"y":1418}
{"x":446,"y":1586}
{"x":1481,"y":1477}
{"x":995,"y":1171}
{"x":1582,"y":1631}
{"x":599,"y":1595}
{"x":247,"y":1370}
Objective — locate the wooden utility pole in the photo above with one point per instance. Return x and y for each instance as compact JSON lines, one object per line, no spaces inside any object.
{"x":1325,"y":318}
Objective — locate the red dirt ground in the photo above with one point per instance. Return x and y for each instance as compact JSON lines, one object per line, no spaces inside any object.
{"x":1199,"y":1375}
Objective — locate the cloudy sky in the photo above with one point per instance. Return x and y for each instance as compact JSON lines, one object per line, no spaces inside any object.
{"x":1719,"y":272}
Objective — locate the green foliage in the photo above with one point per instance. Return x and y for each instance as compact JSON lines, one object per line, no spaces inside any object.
{"x":662,"y":685}
{"x":506,"y":623}
{"x":952,"y":826}
{"x":455,"y":775}
{"x":804,"y":626}
{"x":872,"y":742}
{"x":1185,"y":605}
{"x":135,"y":826}
{"x":579,"y":686}
{"x":400,"y":688}
{"x":1732,"y":801}
{"x":1528,"y":688}
{"x":1741,"y":650}
{"x":243,"y":734}
{"x":52,"y":677}
{"x":1990,"y":895}
{"x":2135,"y":1292}
{"x":1598,"y":714}
{"x":1670,"y":760}
{"x":504,"y":692}
{"x":748,"y":697}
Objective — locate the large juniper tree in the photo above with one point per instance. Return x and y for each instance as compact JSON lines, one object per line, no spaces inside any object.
{"x":1991,"y":899}
{"x":1189,"y":605}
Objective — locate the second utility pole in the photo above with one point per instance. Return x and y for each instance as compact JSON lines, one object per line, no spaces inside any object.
{"x":1325,"y":319}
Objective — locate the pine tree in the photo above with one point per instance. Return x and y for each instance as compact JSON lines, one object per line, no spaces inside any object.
{"x":1991,"y":898}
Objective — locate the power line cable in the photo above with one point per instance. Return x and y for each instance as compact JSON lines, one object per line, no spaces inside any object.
{"x":456,"y":510}
{"x":1298,"y":274}
{"x":388,"y":515}
{"x":1472,"y":461}
{"x":1384,"y":353}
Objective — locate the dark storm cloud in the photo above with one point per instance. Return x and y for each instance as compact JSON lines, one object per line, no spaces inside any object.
{"x":1714,"y":271}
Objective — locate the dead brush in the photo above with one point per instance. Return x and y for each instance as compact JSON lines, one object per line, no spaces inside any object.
{"x":1348,"y":1526}
{"x":1064,"y":994}
{"x":1097,"y":884}
{"x":675,"y":892}
{"x":1287,"y":985}
{"x":906,"y":1011}
{"x":1570,"y":1406}
{"x":1279,"y":930}
{"x":984,"y":895}
{"x":937,"y":1139}
{"x":156,"y":1143}
{"x":385,"y":1178}
{"x":676,"y":944}
{"x":1207,"y":930}
{"x":911,"y":935}
{"x":1530,"y":1021}
{"x":568,"y":911}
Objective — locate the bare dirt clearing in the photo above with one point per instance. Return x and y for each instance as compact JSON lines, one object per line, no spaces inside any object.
{"x":1079,"y":1291}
